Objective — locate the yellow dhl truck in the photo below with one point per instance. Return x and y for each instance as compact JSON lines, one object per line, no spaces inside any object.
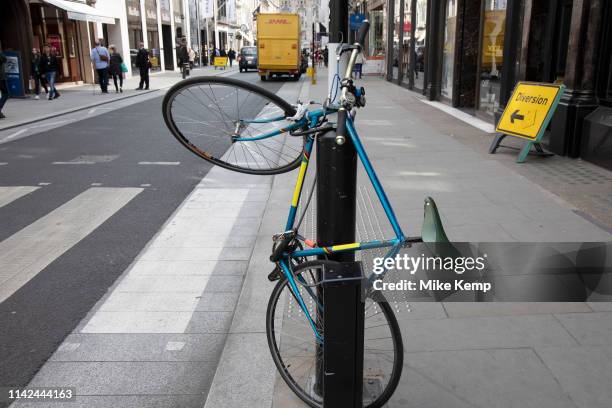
{"x":278,"y":45}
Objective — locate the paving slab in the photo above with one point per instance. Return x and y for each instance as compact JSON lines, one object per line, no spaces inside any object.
{"x":591,"y":329}
{"x":583,"y":373}
{"x":495,"y":378}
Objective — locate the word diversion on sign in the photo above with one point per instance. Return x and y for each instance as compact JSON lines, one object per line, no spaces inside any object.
{"x":529,"y":110}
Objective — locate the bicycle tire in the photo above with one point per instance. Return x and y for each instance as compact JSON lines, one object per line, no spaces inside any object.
{"x":398,"y":352}
{"x":271,"y":102}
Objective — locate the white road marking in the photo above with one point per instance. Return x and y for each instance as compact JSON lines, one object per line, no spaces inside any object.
{"x":27,"y":252}
{"x":59,"y":122}
{"x":160,"y":163}
{"x":96,"y":184}
{"x":44,"y":184}
{"x":68,"y":347}
{"x":9,"y":194}
{"x":150,"y":299}
{"x":375,"y":122}
{"x":175,"y":345}
{"x":145,"y":185}
{"x":3,"y":164}
{"x":75,"y":162}
{"x":13,"y":135}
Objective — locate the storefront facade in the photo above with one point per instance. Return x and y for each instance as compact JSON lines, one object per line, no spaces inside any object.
{"x":469,"y":54}
{"x":63,"y":25}
{"x":72,"y":27}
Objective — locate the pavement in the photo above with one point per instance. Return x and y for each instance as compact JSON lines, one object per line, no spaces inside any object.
{"x":183,"y":325}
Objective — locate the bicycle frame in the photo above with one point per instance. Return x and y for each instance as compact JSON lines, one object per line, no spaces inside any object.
{"x":311,"y":119}
{"x":395,"y":243}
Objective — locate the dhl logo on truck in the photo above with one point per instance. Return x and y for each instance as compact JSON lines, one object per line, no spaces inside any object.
{"x":278,"y":21}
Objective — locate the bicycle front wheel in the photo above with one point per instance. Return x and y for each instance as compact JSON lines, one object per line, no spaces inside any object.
{"x":229,"y":122}
{"x":298,"y":357}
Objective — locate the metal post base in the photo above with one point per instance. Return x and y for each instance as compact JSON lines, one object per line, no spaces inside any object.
{"x":344,"y":332}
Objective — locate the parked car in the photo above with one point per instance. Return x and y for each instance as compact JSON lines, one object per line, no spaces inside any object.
{"x":247,"y":59}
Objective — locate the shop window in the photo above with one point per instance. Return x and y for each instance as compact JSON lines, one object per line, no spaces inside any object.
{"x":376,"y":34}
{"x":448,"y":52}
{"x":397,"y":26}
{"x":407,"y":54}
{"x":491,"y":56}
{"x":420,"y":43}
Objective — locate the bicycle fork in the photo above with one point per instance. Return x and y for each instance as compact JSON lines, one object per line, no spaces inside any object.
{"x":293,"y":286}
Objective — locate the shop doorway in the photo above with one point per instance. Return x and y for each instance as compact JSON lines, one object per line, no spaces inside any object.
{"x":16,"y":34}
{"x":548,"y":40}
{"x":168,"y":47}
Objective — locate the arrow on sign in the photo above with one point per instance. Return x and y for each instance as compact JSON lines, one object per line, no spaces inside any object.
{"x":515,"y":115}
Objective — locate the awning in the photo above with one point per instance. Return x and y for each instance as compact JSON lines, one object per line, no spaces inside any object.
{"x":82,"y":12}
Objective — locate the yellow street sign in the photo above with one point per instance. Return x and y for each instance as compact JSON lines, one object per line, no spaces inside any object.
{"x":220,"y":62}
{"x":529,"y":110}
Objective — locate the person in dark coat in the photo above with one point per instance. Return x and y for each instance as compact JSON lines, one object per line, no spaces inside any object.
{"x":232,"y":56}
{"x":326,"y":56}
{"x":37,"y":74}
{"x":114,"y":68}
{"x":49,"y":67}
{"x":3,"y":85}
{"x":215,"y":54}
{"x":182,"y":54}
{"x":143,"y":64}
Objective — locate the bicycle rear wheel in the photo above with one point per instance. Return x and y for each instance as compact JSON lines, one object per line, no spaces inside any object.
{"x":208,"y":114}
{"x":295,"y":351}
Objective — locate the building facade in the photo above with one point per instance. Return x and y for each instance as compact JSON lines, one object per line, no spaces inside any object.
{"x":72,"y":27}
{"x":470,"y":54}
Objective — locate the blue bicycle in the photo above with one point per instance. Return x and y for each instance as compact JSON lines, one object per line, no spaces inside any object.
{"x":245,"y":128}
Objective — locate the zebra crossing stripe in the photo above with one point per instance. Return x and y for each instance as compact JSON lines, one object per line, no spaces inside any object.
{"x":24,"y":254}
{"x":10,"y":194}
{"x":147,"y":300}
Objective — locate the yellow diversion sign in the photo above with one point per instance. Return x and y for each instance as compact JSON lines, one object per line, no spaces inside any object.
{"x":527,"y":114}
{"x":528,"y":108}
{"x":220,"y":62}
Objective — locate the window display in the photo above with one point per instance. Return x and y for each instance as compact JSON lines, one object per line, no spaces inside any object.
{"x":448,"y":53}
{"x":491,"y":55}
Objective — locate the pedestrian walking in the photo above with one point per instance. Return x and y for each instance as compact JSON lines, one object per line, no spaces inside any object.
{"x":326,"y":56}
{"x":232,"y":56}
{"x":114,"y":68}
{"x":359,"y":65}
{"x":183,"y":57}
{"x":100,"y":57}
{"x":223,"y":53}
{"x":36,"y":73}
{"x":215,"y":54}
{"x":192,"y":56}
{"x":3,"y":85}
{"x":143,"y":64}
{"x":49,"y":67}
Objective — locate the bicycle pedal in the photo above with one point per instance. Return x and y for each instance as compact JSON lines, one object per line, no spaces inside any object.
{"x":274,"y":275}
